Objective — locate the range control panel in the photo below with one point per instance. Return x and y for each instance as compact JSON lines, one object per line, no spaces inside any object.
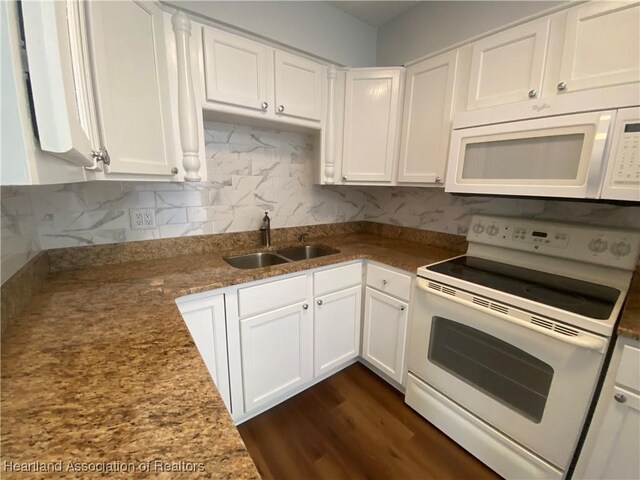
{"x":587,"y":243}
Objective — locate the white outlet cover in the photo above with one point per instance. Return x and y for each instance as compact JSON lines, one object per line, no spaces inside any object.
{"x":142,"y":218}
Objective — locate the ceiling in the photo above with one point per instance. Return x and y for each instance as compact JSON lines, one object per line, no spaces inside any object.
{"x":374,"y":13}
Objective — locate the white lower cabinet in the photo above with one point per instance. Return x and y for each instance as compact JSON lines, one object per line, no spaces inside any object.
{"x":206,"y":321}
{"x":613,"y":440}
{"x":337,"y":328}
{"x":276,"y":353}
{"x":385,"y":333}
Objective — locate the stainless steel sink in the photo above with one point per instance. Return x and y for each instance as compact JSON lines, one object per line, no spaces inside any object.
{"x":305,"y":252}
{"x":256,"y":260}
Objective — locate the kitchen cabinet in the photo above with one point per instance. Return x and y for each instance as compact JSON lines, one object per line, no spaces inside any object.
{"x":337,"y":319}
{"x":277,"y":353}
{"x":601,"y":46}
{"x":385,"y":333}
{"x":385,"y":321}
{"x":371,"y":124}
{"x":206,"y":321}
{"x":426,"y":122}
{"x":237,"y":70}
{"x":613,"y":440}
{"x":508,"y":67}
{"x":100,"y":83}
{"x":127,"y":41}
{"x":250,"y":78}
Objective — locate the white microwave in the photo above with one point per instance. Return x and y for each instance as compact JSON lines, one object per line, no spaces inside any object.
{"x":579,"y":155}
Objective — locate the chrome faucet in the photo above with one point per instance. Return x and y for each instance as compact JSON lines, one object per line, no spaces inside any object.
{"x":265,"y":230}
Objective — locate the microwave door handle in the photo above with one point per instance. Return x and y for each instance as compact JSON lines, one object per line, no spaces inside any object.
{"x":596,"y":162}
{"x":590,"y":343}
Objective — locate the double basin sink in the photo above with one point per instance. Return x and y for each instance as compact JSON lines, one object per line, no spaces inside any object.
{"x":284,"y":255}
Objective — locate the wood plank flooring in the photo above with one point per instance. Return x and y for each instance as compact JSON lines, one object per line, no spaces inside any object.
{"x":353,"y":425}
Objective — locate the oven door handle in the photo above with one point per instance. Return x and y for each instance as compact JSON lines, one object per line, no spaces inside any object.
{"x":582,"y":341}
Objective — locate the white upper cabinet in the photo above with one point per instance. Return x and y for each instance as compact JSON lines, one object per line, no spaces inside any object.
{"x":371,"y":121}
{"x":426,"y":124}
{"x":601,"y":46}
{"x":508,"y":67}
{"x":132,"y":86}
{"x":237,"y":70}
{"x":245,"y":77}
{"x":299,"y":84}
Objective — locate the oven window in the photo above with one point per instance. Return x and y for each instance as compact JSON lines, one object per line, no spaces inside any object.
{"x":509,"y":375}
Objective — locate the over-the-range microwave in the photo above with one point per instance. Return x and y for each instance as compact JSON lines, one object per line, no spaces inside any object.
{"x":577,"y":155}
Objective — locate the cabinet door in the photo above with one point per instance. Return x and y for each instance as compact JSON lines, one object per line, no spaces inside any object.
{"x":337,"y":328}
{"x":370,"y":124}
{"x":237,"y":71}
{"x":298,"y":86}
{"x":385,"y":332}
{"x":132,"y":86}
{"x":207,"y":325}
{"x":615,"y":455}
{"x":276,"y":353}
{"x":428,"y":108}
{"x":508,"y":67}
{"x":601,"y":45}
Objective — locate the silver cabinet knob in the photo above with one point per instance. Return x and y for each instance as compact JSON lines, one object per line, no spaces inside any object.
{"x":174,"y":171}
{"x":281,"y":108}
{"x":438,"y":179}
{"x":562,"y":86}
{"x":344,"y":177}
{"x":533,"y":93}
{"x":402,"y":307}
{"x":384,"y":282}
{"x":620,"y":397}
{"x":305,"y":306}
{"x":319,"y":302}
{"x":264,"y":105}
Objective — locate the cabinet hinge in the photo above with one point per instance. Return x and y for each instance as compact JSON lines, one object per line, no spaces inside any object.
{"x":101,"y":155}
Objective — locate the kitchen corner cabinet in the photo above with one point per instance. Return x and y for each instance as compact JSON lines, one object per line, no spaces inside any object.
{"x":99,"y":77}
{"x":508,"y":67}
{"x":601,"y":46}
{"x":245,"y":77}
{"x":426,"y":124}
{"x":613,"y":440}
{"x":131,"y":76}
{"x":205,"y":318}
{"x":385,"y":321}
{"x":371,"y":125}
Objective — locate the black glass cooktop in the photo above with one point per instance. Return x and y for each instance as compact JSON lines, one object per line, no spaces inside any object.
{"x":584,"y":298}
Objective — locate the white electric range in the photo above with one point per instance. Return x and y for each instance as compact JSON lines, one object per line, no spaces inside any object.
{"x":508,"y":341}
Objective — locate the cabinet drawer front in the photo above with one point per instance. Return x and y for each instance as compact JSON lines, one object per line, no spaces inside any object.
{"x":629,"y":370}
{"x":272,"y":295}
{"x":336,"y":278}
{"x":388,"y":281}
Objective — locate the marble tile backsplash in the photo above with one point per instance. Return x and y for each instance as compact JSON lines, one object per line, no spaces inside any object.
{"x":251,"y":171}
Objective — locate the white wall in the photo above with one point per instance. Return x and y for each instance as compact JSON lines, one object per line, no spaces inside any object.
{"x":314,"y":27}
{"x":433,"y":25}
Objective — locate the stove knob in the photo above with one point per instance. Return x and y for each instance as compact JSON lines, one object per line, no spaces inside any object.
{"x":620,"y":249}
{"x":492,"y":230}
{"x":478,"y":228}
{"x":597,"y":245}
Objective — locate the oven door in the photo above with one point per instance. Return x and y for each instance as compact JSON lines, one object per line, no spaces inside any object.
{"x":535,"y":387}
{"x":558,"y":156}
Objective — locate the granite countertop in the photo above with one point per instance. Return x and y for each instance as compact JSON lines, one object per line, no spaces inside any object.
{"x":629,"y":325}
{"x":101,"y":368}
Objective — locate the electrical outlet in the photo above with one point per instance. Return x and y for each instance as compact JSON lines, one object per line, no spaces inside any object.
{"x":142,"y":218}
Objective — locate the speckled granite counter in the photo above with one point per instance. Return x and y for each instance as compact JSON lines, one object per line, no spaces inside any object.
{"x":101,"y":368}
{"x":629,"y":325}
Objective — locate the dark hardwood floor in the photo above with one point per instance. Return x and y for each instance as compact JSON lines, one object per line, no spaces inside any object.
{"x":354,"y":425}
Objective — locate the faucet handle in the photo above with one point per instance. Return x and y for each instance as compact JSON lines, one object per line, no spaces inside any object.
{"x":303,"y":237}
